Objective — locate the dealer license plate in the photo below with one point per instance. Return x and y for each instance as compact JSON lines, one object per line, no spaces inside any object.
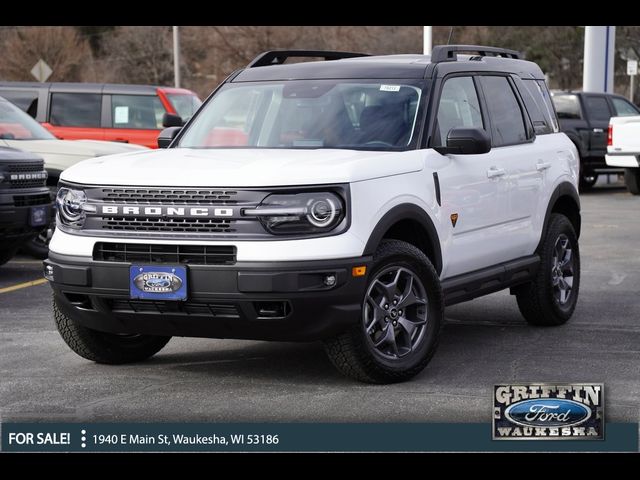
{"x":153,"y":282}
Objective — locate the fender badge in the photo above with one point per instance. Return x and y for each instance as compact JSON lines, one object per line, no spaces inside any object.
{"x":454,"y":219}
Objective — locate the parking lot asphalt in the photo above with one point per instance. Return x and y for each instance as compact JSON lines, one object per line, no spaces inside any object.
{"x":485,"y":341}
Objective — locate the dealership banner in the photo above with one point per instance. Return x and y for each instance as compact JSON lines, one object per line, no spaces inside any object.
{"x":293,"y":437}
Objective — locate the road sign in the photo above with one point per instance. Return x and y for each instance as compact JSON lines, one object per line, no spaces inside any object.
{"x":632,"y":67}
{"x":41,"y":71}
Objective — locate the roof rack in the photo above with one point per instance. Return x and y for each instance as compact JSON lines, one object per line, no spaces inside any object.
{"x":447,"y":53}
{"x":277,"y":57}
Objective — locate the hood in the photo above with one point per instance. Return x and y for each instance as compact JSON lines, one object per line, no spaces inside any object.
{"x":61,"y":154}
{"x":100,"y":147}
{"x":241,"y":167}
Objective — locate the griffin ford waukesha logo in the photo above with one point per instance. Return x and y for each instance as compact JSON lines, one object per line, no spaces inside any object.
{"x":157,"y":282}
{"x":548,"y":412}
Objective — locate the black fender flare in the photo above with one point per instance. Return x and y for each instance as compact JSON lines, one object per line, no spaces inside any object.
{"x":406,"y":211}
{"x":564,"y":189}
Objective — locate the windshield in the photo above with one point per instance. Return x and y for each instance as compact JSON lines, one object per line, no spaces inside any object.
{"x":308,"y":114}
{"x":567,"y":106}
{"x":185,"y":105}
{"x":17,"y":125}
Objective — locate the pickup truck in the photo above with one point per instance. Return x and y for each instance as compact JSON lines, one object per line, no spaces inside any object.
{"x":584,"y":117}
{"x":623,"y":149}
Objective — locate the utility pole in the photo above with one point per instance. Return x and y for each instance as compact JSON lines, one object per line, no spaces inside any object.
{"x":427,"y":40}
{"x":176,"y":57}
{"x":599,"y":54}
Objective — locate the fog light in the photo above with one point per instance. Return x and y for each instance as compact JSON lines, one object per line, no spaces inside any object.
{"x":330,"y":280}
{"x":48,"y":272}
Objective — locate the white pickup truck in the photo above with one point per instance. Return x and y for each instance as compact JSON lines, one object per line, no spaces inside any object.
{"x":623,"y":149}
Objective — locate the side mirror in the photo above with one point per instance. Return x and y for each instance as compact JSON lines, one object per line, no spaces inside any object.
{"x":171,"y":120}
{"x":167,"y":135}
{"x":466,"y":141}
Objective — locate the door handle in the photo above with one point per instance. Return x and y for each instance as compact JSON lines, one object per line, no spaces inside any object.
{"x":540,"y":166}
{"x":121,"y":140}
{"x":495,"y":172}
{"x":598,"y":130}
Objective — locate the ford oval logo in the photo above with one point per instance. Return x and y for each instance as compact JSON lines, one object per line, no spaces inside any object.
{"x":547,"y":412}
{"x":157,"y":282}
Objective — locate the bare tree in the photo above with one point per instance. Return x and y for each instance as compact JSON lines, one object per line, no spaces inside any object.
{"x":138,"y":55}
{"x":61,"y":47}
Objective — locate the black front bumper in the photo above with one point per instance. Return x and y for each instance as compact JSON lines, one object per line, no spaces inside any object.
{"x":250,"y":300}
{"x":15,"y":225}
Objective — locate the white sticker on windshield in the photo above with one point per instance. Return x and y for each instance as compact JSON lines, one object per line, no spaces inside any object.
{"x":389,"y":88}
{"x":121,"y":115}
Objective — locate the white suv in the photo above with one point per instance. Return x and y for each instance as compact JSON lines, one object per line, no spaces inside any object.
{"x":346,"y":201}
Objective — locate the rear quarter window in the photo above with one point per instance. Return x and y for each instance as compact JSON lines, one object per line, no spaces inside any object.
{"x":541,"y":115}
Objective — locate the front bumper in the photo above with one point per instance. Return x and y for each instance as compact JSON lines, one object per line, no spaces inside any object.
{"x":15,"y":220}
{"x":250,"y":300}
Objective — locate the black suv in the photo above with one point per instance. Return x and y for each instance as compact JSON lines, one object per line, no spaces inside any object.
{"x":584,"y":117}
{"x":25,"y":201}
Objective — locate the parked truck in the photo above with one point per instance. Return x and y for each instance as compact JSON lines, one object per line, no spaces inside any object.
{"x":623,"y":149}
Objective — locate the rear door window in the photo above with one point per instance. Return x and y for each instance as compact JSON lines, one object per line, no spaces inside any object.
{"x":507,"y":122}
{"x":136,"y":111}
{"x":76,"y":109}
{"x":597,"y":108}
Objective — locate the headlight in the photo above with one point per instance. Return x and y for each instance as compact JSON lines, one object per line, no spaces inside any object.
{"x":1,"y":178}
{"x":310,"y":212}
{"x":70,"y":205}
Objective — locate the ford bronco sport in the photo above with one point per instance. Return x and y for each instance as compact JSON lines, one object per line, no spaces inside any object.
{"x":347,"y":201}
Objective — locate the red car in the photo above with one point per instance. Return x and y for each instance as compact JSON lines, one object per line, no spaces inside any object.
{"x":102,"y":111}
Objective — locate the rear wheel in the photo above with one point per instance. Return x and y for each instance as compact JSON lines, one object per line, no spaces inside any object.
{"x":401,"y":319}
{"x":102,"y":347}
{"x":551,"y":297}
{"x":632,"y":180}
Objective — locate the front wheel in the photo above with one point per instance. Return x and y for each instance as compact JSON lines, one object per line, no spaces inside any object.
{"x":551,"y":297}
{"x":632,"y":180}
{"x":402,"y":315}
{"x":102,"y":347}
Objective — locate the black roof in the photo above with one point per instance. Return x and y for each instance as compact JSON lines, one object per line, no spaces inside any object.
{"x":85,"y":87}
{"x":409,"y":66}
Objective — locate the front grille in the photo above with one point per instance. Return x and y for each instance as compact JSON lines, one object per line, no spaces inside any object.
{"x":23,"y":167}
{"x":228,"y":310}
{"x":162,"y":196}
{"x":185,"y":225}
{"x":26,"y":168}
{"x":29,"y":200}
{"x":175,"y":254}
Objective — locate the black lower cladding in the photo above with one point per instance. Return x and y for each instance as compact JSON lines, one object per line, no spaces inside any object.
{"x":287,"y":301}
{"x":15,"y":212}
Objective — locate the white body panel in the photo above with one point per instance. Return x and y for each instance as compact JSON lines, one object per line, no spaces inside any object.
{"x":59,"y":155}
{"x":500,"y":218}
{"x":625,"y":150}
{"x":186,"y":167}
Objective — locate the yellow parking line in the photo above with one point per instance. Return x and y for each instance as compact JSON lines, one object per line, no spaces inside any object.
{"x":32,"y":283}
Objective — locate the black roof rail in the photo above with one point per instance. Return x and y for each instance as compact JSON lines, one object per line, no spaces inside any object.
{"x":277,"y":57}
{"x":447,"y":53}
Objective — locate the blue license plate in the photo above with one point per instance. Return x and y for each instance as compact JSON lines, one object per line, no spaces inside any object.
{"x":152,"y":282}
{"x":39,"y":216}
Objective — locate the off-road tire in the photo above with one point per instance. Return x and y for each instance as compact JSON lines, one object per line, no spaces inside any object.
{"x":536,"y":299}
{"x":352,"y":352}
{"x":101,"y":347}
